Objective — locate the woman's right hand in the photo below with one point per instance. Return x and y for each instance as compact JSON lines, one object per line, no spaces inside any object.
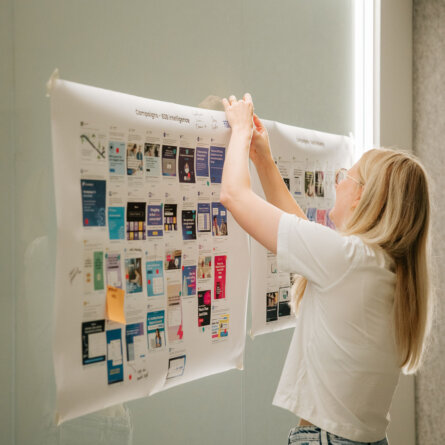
{"x":259,"y":145}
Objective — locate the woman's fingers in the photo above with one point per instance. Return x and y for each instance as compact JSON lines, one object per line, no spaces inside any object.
{"x":258,"y":124}
{"x":248,"y":98}
{"x":225,"y":103}
{"x":239,"y":112}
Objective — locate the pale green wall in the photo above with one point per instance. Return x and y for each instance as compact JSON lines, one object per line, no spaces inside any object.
{"x":6,"y":224}
{"x":295,"y":58}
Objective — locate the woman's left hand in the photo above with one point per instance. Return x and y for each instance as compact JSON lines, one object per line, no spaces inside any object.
{"x":239,"y":112}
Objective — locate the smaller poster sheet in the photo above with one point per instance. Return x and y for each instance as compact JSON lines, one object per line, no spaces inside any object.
{"x":306,"y":160}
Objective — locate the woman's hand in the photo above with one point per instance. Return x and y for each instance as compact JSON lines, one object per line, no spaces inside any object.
{"x":259,"y":146}
{"x":239,"y":113}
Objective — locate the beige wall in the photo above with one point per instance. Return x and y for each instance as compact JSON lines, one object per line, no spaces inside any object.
{"x":412,"y":110}
{"x":396,"y":131}
{"x":429,"y":136}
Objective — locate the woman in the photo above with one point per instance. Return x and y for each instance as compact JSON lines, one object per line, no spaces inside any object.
{"x":367,"y":306}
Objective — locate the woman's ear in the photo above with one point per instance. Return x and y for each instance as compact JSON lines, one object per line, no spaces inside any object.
{"x":357,"y":198}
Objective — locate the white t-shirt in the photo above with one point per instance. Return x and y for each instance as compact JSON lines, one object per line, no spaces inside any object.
{"x":341,"y":369}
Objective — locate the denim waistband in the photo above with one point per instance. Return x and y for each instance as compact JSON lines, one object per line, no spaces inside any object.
{"x":312,"y":432}
{"x":305,"y":428}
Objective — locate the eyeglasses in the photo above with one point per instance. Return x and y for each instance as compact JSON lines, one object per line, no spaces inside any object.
{"x":342,"y":173}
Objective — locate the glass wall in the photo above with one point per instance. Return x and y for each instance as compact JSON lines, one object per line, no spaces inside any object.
{"x":295,"y":58}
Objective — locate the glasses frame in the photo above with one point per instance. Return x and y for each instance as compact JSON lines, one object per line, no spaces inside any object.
{"x":345,"y":170}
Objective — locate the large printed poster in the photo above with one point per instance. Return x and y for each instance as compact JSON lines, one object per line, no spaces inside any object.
{"x":307,"y":161}
{"x":152,"y":271}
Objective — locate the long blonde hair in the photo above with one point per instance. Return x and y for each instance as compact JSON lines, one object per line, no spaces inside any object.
{"x":394,"y":213}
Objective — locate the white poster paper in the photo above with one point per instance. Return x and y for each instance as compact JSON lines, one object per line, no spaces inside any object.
{"x":137,"y":186}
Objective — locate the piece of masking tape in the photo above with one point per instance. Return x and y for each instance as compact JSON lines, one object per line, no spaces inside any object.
{"x":50,"y":84}
{"x":212,"y":103}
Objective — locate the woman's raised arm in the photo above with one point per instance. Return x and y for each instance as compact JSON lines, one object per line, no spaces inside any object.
{"x":256,"y":216}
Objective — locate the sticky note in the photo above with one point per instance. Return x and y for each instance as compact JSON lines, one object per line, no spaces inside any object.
{"x":115,"y":304}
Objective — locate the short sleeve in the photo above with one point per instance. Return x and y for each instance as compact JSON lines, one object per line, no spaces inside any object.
{"x":312,"y":250}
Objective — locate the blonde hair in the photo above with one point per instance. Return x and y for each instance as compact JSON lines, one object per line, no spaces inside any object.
{"x":394,"y":214}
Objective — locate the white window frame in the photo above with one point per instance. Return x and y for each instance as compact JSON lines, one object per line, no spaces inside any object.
{"x":366,"y":132}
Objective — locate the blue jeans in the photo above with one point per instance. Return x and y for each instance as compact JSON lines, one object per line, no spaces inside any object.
{"x":312,"y":435}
